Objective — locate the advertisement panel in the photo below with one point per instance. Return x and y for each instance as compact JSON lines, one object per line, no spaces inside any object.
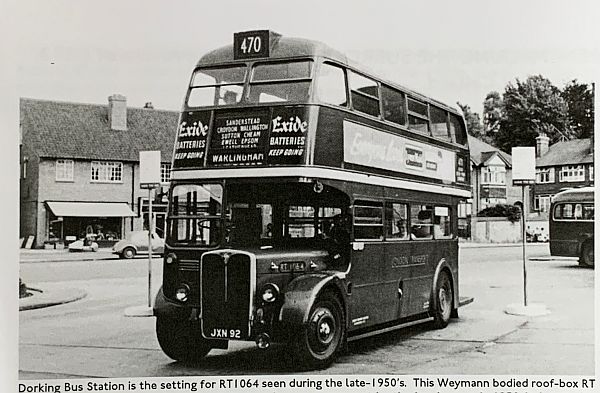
{"x":373,"y":148}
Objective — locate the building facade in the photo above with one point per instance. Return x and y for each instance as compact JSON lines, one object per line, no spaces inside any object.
{"x":80,"y":168}
{"x":564,"y":165}
{"x":491,"y":176}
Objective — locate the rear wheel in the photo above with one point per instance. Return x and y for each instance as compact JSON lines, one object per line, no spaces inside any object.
{"x":321,"y":338}
{"x":181,"y":340}
{"x":442,"y":301}
{"x":587,"y":254}
{"x":128,"y":253}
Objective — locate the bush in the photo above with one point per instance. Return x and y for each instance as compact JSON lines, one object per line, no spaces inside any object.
{"x":513,"y":213}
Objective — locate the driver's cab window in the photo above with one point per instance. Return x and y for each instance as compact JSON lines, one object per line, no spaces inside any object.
{"x":250,"y":223}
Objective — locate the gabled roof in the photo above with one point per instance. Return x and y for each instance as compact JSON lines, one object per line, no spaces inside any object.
{"x":576,"y":151}
{"x":482,"y":152}
{"x":81,"y":131}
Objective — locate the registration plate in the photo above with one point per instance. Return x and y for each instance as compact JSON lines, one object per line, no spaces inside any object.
{"x":225,"y":333}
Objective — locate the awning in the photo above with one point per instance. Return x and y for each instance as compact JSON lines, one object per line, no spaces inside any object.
{"x":90,"y":209}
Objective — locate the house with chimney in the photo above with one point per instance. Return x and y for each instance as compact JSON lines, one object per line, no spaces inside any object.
{"x":80,"y":169}
{"x":491,"y":176}
{"x":563,"y":165}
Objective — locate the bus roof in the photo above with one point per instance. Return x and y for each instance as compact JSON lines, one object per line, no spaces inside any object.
{"x":290,"y":47}
{"x":584,"y":194}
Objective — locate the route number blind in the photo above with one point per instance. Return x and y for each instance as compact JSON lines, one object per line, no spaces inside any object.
{"x":251,"y":44}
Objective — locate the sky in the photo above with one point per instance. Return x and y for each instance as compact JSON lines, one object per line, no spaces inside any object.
{"x":84,"y":51}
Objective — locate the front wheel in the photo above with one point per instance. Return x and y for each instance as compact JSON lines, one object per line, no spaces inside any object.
{"x":128,"y":253}
{"x":181,"y":340}
{"x":320,"y":339}
{"x":442,"y":301}
{"x":587,"y":254}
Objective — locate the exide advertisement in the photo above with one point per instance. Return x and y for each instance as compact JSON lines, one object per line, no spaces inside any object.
{"x":272,"y":136}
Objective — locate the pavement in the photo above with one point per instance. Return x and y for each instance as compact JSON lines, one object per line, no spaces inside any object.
{"x":51,"y":296}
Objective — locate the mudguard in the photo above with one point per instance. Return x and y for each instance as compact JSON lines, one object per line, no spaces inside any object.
{"x":163,"y":307}
{"x":442,"y":264}
{"x":301,"y":294}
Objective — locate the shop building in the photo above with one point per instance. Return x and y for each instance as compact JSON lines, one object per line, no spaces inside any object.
{"x":80,"y":168}
{"x":564,"y":165}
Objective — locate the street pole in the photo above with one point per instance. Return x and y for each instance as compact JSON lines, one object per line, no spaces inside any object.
{"x":150,"y":231}
{"x":524,"y":246}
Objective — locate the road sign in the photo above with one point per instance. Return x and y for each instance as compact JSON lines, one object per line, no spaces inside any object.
{"x":149,"y":169}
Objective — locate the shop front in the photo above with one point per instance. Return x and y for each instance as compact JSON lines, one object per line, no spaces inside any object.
{"x":103,"y":222}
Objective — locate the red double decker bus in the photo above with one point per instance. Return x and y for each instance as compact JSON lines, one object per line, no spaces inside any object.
{"x":311,"y":203}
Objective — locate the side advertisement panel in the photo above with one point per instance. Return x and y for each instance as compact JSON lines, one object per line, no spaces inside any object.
{"x":373,"y":148}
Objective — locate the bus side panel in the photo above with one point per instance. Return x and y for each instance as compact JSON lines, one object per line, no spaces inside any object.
{"x":566,"y":237}
{"x":374,"y":298}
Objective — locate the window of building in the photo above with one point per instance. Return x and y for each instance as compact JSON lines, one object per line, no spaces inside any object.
{"x":64,"y":170}
{"x":107,"y":172}
{"x":331,"y":85}
{"x":439,"y":123}
{"x":592,"y":172}
{"x":368,"y":220}
{"x":393,"y":105}
{"x":421,"y":222}
{"x":544,"y":175}
{"x":396,"y":221}
{"x":165,"y":173}
{"x":493,"y":174}
{"x":364,"y":93}
{"x":572,"y":173}
{"x":542,"y":203}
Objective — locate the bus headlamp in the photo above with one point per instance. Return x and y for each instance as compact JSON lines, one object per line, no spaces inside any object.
{"x":171,"y":257}
{"x":182,"y":292}
{"x":270,"y":293}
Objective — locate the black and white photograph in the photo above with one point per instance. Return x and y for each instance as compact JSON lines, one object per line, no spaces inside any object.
{"x":391,"y":196}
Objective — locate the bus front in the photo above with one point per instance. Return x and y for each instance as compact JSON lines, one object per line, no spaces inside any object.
{"x":250,"y":237}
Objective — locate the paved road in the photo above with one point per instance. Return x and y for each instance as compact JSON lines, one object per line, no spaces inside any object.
{"x":93,"y":338}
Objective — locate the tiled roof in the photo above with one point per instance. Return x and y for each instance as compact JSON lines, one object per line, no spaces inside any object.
{"x":481,"y":152}
{"x":576,"y":151}
{"x":81,"y":131}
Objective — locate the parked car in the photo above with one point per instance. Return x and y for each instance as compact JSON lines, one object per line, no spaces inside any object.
{"x":137,"y":243}
{"x":83,"y":245}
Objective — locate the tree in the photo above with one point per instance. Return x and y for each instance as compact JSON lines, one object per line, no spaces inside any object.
{"x":531,"y":108}
{"x":473,"y":121}
{"x":580,"y":101}
{"x":492,"y":112}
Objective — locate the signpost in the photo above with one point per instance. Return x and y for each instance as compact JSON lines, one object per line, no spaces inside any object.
{"x":523,"y":174}
{"x":150,"y":180}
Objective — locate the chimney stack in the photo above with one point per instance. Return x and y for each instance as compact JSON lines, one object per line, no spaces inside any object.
{"x":117,"y":112}
{"x":541,"y":145}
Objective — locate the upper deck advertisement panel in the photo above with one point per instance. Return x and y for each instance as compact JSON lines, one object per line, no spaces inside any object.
{"x":256,"y":137}
{"x":369,"y":147}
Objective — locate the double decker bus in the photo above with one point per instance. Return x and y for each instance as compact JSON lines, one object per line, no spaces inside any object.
{"x":572,"y":225}
{"x":311,"y":203}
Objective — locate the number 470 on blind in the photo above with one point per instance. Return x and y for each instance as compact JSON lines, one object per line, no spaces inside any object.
{"x":252,"y":44}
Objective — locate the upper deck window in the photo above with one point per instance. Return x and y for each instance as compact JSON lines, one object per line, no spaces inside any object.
{"x":331,"y":85}
{"x":364,"y":93}
{"x":418,"y":116}
{"x":280,"y":82}
{"x":439,"y":123}
{"x":457,"y":130}
{"x":217,"y":86}
{"x":393,"y":105}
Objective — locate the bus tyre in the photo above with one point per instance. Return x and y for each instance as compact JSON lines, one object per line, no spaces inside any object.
{"x":180,"y":340}
{"x":587,"y":254}
{"x":442,"y":301}
{"x":321,"y":338}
